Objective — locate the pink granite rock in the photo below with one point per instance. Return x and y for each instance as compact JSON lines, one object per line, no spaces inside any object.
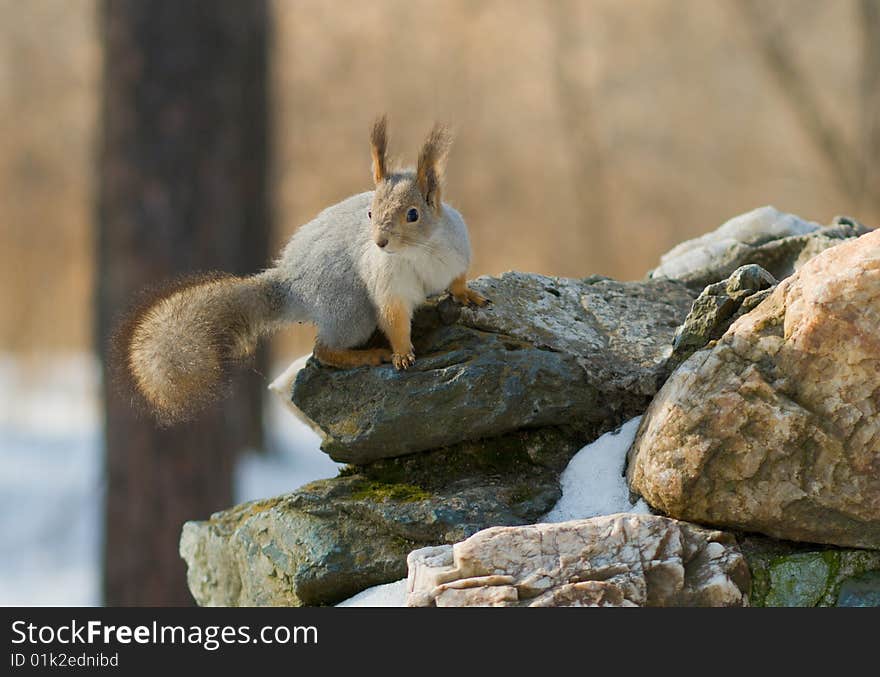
{"x":775,"y":428}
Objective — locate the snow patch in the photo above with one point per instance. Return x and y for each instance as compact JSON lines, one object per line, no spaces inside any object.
{"x":593,"y":483}
{"x":390,"y":594}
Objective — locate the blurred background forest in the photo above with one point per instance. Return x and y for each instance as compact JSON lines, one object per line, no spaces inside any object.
{"x":592,"y":136}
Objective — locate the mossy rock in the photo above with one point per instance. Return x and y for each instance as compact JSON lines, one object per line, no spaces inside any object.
{"x":798,"y":575}
{"x":333,"y":538}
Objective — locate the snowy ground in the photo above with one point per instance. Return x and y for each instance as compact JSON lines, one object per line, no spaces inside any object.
{"x":592,"y":485}
{"x":51,"y":477}
{"x":51,"y":485}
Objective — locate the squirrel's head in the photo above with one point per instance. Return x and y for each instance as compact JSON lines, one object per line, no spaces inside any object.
{"x":407,"y":204}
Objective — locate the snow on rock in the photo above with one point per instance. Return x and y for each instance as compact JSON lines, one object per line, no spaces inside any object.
{"x":390,"y":594}
{"x":746,"y":230}
{"x":593,"y":484}
{"x":282,"y":387}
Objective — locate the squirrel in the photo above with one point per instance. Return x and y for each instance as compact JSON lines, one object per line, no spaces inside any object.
{"x":363,"y":263}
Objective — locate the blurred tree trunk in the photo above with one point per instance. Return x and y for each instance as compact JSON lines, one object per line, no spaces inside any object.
{"x":183,"y":187}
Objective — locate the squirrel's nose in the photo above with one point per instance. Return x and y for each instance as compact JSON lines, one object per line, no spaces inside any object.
{"x":382,"y":242}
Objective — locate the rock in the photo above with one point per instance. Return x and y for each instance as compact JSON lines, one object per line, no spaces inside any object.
{"x":330,"y":539}
{"x":586,"y":354}
{"x":863,"y":590}
{"x":796,"y":575}
{"x":783,"y":574}
{"x":616,"y":560}
{"x":776,"y":241}
{"x":717,"y":307}
{"x":776,"y":428}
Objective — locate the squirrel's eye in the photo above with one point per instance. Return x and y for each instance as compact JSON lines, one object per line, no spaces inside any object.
{"x":369,"y":215}
{"x":412,"y":215}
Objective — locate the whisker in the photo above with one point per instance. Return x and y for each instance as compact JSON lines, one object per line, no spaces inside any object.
{"x":429,"y":247}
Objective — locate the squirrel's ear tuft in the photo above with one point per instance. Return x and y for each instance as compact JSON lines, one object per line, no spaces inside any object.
{"x":378,"y":148}
{"x":432,"y":165}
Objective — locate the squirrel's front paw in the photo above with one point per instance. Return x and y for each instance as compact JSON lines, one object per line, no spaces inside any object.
{"x":470,"y":298}
{"x":403,"y":360}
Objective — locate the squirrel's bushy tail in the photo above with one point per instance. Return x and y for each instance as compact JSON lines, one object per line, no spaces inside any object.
{"x":176,"y":349}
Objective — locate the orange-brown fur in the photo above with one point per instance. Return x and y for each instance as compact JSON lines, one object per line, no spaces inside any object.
{"x":345,"y":359}
{"x":432,"y":164}
{"x":464,"y":294}
{"x":378,"y":148}
{"x":395,"y":322}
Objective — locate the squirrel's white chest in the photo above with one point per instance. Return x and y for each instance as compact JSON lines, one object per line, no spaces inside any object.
{"x":416,"y":276}
{"x":425,"y":276}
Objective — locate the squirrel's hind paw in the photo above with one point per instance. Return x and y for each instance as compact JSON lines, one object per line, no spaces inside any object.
{"x":470,"y":298}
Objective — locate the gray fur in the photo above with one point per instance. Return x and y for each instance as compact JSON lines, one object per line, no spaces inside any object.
{"x":337,"y":277}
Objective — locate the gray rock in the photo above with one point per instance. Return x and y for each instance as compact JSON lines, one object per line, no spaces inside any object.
{"x":860,"y":591}
{"x":548,"y":351}
{"x":333,"y":538}
{"x":717,"y":307}
{"x":614,"y":560}
{"x":778,"y":242}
